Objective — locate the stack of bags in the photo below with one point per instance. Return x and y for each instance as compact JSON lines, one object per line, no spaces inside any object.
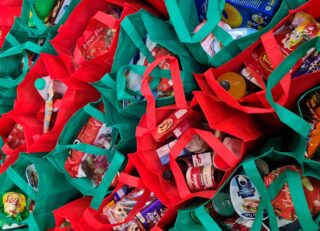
{"x":159,"y":115}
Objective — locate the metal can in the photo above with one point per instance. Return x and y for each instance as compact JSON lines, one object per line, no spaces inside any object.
{"x":202,"y":178}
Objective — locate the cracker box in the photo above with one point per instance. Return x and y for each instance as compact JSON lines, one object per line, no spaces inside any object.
{"x":249,"y":13}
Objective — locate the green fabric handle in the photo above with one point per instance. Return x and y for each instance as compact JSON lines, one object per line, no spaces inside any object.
{"x":137,"y":40}
{"x":94,"y":112}
{"x":213,"y":17}
{"x":295,"y":4}
{"x":286,"y":116}
{"x":114,"y":167}
{"x":157,"y":73}
{"x":21,"y":183}
{"x":86,"y":148}
{"x":297,"y":195}
{"x":205,"y":219}
{"x":254,"y":175}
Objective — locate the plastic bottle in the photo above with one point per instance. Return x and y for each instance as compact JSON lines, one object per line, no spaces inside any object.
{"x":43,"y":84}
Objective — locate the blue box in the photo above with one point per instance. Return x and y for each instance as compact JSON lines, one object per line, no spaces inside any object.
{"x":255,"y":14}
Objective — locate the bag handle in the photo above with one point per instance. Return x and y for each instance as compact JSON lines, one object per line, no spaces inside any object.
{"x":219,"y":149}
{"x":179,"y":95}
{"x":135,"y":37}
{"x":22,"y":183}
{"x":213,"y":17}
{"x":205,"y":219}
{"x":94,"y":112}
{"x":117,"y":161}
{"x":285,"y":115}
{"x":106,"y":19}
{"x":297,"y":194}
{"x":254,"y":175}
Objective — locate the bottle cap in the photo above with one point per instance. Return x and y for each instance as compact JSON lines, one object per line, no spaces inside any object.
{"x":167,"y":175}
{"x":234,"y":83}
{"x":40,"y":84}
{"x":222,"y":204}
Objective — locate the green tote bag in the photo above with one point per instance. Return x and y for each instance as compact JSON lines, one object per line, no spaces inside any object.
{"x":186,"y":217}
{"x":40,"y":28}
{"x":53,"y":189}
{"x":121,"y":141}
{"x":184,"y":18}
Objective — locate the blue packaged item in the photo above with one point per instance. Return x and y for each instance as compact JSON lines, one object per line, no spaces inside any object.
{"x":310,"y":65}
{"x":151,"y":215}
{"x":249,"y":13}
{"x":202,"y":6}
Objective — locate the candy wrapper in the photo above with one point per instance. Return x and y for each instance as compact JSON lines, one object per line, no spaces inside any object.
{"x":96,"y":39}
{"x":310,"y":65}
{"x":283,"y":204}
{"x":301,"y":28}
{"x":145,"y":219}
{"x":16,"y":206}
{"x":16,"y":137}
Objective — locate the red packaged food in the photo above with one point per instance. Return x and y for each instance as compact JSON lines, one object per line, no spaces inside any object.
{"x":87,"y":135}
{"x":283,"y":204}
{"x":16,"y":137}
{"x":167,"y":127}
{"x":292,"y":34}
{"x":96,"y":39}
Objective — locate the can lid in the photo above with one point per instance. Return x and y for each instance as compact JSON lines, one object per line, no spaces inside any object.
{"x":222,"y":204}
{"x":40,"y":84}
{"x":167,"y":175}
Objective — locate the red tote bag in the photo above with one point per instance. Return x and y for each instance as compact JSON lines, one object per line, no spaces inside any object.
{"x":145,"y":142}
{"x":29,"y":107}
{"x":91,"y":219}
{"x":285,"y":93}
{"x":8,"y":11}
{"x":76,"y":29}
{"x":160,"y":6}
{"x":72,"y":212}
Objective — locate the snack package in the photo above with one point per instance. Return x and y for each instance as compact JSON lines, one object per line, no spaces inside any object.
{"x":17,"y":206}
{"x":148,"y":217}
{"x":42,"y":8}
{"x":311,"y":112}
{"x":292,"y":34}
{"x":283,"y":204}
{"x":96,"y":39}
{"x":176,"y":124}
{"x":202,"y":6}
{"x":310,"y":65}
{"x":16,"y":137}
{"x":249,"y":13}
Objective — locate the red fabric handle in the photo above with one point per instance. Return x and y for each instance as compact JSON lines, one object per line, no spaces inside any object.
{"x":177,"y":87}
{"x":229,"y":157}
{"x":106,"y":19}
{"x":276,"y":57}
